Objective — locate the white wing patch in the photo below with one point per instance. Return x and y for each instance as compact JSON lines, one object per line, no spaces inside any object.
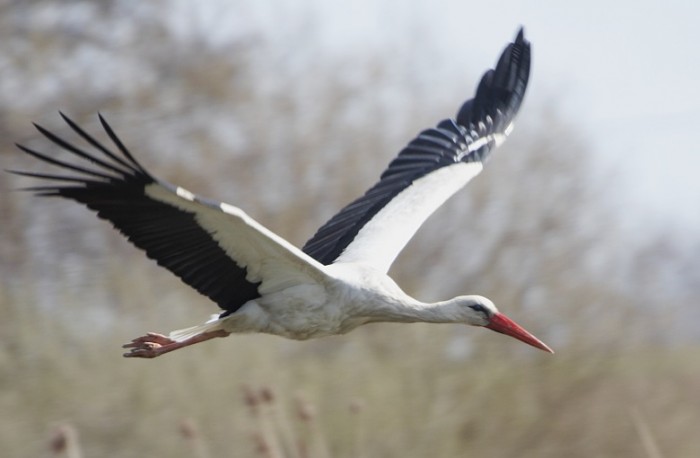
{"x":384,"y":236}
{"x":267,"y":257}
{"x":184,"y":193}
{"x":497,"y":139}
{"x":508,"y":129}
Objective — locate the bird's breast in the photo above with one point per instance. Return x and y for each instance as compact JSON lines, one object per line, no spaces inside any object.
{"x":304,"y":312}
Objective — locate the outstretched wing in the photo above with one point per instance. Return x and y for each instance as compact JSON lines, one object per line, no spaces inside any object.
{"x":374,"y":228}
{"x":214,"y":247}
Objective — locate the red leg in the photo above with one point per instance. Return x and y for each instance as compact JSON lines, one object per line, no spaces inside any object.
{"x":152,"y":344}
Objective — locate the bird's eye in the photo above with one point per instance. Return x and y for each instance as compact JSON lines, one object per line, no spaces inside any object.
{"x":478,"y":308}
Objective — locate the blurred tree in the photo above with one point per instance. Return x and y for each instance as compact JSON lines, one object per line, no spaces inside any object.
{"x":291,"y":134}
{"x":537,"y":221}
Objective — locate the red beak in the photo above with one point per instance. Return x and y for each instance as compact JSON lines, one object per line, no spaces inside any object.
{"x":504,"y":325}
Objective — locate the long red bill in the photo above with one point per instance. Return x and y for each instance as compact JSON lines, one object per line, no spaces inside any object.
{"x":504,"y":325}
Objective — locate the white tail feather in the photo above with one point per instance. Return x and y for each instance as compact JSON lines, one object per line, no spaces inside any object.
{"x":180,"y":335}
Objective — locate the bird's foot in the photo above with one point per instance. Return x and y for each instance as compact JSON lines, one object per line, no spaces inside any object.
{"x":150,"y":346}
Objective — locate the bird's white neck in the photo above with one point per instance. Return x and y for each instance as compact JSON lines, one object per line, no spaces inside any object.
{"x":409,"y":310}
{"x":377,"y":298}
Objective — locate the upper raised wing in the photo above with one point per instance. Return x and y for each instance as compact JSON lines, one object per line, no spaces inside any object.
{"x":374,"y":228}
{"x":214,"y":247}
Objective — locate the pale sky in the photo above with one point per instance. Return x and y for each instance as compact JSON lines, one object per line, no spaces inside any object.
{"x":626,"y":72}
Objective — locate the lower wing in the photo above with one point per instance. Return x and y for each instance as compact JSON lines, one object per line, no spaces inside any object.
{"x":214,"y":247}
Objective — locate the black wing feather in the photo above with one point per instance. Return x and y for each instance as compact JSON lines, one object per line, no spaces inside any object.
{"x":113,"y":186}
{"x":491,"y":111}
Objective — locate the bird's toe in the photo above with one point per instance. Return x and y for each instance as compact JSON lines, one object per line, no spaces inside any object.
{"x":150,"y":338}
{"x":145,"y":350}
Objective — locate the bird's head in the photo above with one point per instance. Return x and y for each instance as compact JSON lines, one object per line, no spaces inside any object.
{"x":480,"y":311}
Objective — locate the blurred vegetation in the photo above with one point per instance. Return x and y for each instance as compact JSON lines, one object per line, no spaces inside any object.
{"x":291,"y":134}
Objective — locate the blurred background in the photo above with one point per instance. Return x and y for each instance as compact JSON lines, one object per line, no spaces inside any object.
{"x":583,"y":228}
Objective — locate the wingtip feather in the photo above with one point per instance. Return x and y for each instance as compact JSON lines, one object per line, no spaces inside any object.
{"x":502,"y":88}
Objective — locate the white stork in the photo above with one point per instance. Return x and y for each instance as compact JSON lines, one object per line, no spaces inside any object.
{"x":338,"y":280}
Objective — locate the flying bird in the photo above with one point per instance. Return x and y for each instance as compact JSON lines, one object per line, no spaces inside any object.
{"x":338,"y":280}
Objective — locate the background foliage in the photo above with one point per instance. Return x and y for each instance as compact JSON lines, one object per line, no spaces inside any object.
{"x":291,"y":136}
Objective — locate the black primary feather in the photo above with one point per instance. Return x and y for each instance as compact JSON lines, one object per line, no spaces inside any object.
{"x":490,"y":112}
{"x":113,"y":185}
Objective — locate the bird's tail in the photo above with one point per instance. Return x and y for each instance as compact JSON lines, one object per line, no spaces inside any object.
{"x":180,"y":335}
